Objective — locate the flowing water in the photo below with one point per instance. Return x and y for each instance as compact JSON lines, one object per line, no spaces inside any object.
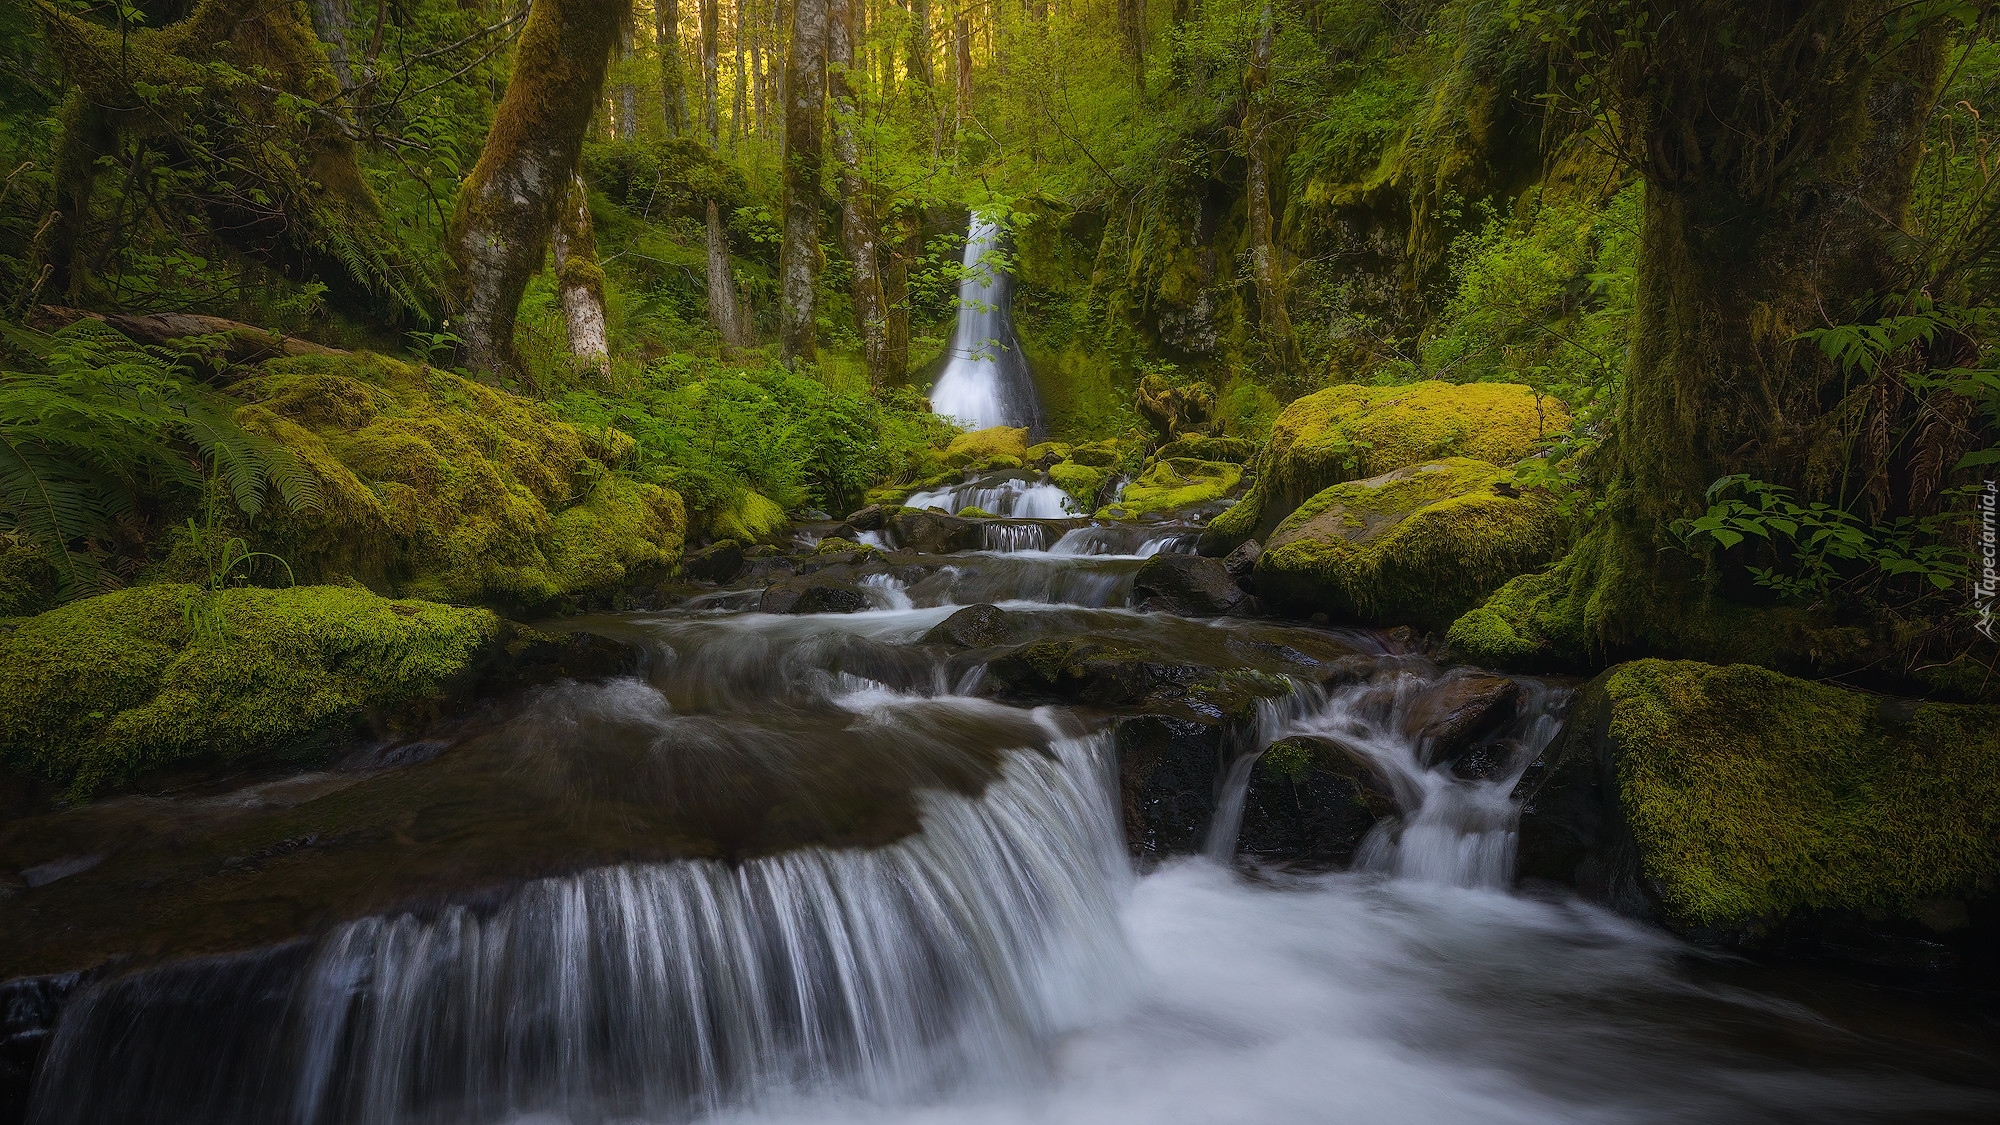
{"x":985,"y":381}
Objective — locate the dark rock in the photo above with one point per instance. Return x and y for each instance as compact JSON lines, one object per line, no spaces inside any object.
{"x":872,"y":518}
{"x":935,"y":533}
{"x":718,"y":562}
{"x":975,"y":626}
{"x":28,"y":1010}
{"x":1311,"y":803}
{"x":818,"y":594}
{"x":1243,"y":561}
{"x":530,"y":657}
{"x":1082,"y":671}
{"x":1169,"y":771}
{"x":1458,"y":710}
{"x":1186,"y":585}
{"x":1483,"y":761}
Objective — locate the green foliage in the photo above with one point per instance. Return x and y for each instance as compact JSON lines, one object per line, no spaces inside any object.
{"x":98,"y":691}
{"x":712,"y":432}
{"x":1827,"y":545}
{"x":103,"y":429}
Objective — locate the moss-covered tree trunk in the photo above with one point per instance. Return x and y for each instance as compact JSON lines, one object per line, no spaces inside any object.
{"x":805,"y":118}
{"x":673,"y":85}
{"x":1267,"y":270}
{"x":711,"y":114}
{"x":904,"y":248}
{"x":725,"y":313}
{"x":507,"y":207}
{"x":859,"y":231}
{"x":1778,"y":143}
{"x":580,"y":281}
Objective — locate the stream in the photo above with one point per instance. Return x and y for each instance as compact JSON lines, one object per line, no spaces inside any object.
{"x":995,"y":848}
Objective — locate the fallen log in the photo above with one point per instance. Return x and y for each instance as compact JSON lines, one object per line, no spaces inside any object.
{"x":242,"y":343}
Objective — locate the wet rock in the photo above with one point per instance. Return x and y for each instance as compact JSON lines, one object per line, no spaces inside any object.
{"x":1186,"y":585}
{"x":1169,"y":771}
{"x":28,"y":1010}
{"x":1483,"y":761}
{"x":1311,"y":803}
{"x":1082,"y":671}
{"x":717,"y":562}
{"x":816,"y":594}
{"x":975,"y":626}
{"x":934,"y":533}
{"x":1458,"y":710}
{"x":872,"y":518}
{"x":1242,"y":561}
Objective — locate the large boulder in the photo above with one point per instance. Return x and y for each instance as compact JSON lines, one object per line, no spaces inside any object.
{"x":1746,"y":807}
{"x":1419,"y":545}
{"x":100,"y":690}
{"x":438,"y":487}
{"x":1353,"y":432}
{"x":995,"y":447}
{"x":1173,"y":485}
{"x":817,"y":594}
{"x":1311,"y":803}
{"x":934,"y":533}
{"x":1457,"y":710}
{"x":976,"y":626}
{"x":1187,"y":585}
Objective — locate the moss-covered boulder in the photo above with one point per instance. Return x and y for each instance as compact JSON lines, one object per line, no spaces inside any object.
{"x":438,"y":487}
{"x":1205,"y":447}
{"x":981,"y":449}
{"x":1354,"y":432}
{"x":1729,"y":799}
{"x":1084,"y":483}
{"x":746,"y":519}
{"x":1417,"y":545}
{"x":1172,"y":485}
{"x":105,"y":688}
{"x":1531,"y":622}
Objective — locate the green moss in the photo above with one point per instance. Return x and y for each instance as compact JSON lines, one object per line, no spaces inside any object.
{"x":1417,"y":545}
{"x":974,"y":512}
{"x":1083,"y":482}
{"x":834,"y":544}
{"x":1203,"y":447}
{"x":751,"y":517}
{"x":1752,"y":794}
{"x":1529,"y":622}
{"x":105,"y":688}
{"x":1174,"y":484}
{"x":982,"y":448}
{"x":443,"y":488}
{"x":1353,"y":432}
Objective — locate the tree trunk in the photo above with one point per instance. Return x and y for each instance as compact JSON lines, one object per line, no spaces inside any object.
{"x":896,"y":297}
{"x":740,"y":106}
{"x":1267,"y":270}
{"x":729,"y":320}
{"x":711,"y":114}
{"x":507,"y":206}
{"x":805,"y":116}
{"x":1132,"y":29}
{"x":859,"y":233}
{"x":673,"y":86}
{"x":580,"y":282}
{"x":334,"y":20}
{"x":962,"y":56}
{"x":1771,"y":206}
{"x":760,"y":111}
{"x":919,"y":61}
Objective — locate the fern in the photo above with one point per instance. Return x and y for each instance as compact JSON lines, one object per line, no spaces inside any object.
{"x":107,"y":424}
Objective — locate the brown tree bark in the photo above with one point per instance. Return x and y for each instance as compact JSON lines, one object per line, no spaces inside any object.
{"x":740,"y":106}
{"x":805,"y":118}
{"x":859,"y":230}
{"x":1267,"y":270}
{"x":711,"y":113}
{"x":918,"y":60}
{"x":507,"y":206}
{"x":962,"y":58}
{"x":724,"y":310}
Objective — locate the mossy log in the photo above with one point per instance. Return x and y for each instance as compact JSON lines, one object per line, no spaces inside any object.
{"x":507,"y":206}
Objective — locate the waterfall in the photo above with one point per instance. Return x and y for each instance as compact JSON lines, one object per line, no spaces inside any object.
{"x":665,"y":991}
{"x":985,"y":381}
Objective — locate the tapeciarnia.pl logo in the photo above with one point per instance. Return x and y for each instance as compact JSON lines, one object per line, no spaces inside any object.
{"x":1986,"y":582}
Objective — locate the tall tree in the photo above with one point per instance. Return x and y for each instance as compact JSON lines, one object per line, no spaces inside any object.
{"x":739,"y":109}
{"x":1267,"y":270}
{"x":805,"y":119}
{"x":507,"y":206}
{"x":710,"y":92}
{"x":859,"y":230}
{"x":918,"y":60}
{"x":673,"y":84}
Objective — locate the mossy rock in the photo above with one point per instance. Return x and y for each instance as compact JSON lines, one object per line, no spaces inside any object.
{"x":1203,"y":447}
{"x":1355,"y":432}
{"x":981,"y":448}
{"x":975,"y":512}
{"x":1084,"y":483}
{"x":1417,"y":545}
{"x":1171,"y":485}
{"x":893,"y":495}
{"x":748,"y":518}
{"x":834,"y":545}
{"x":1749,"y":795}
{"x":439,"y":487}
{"x":104,"y":688}
{"x":1530,"y":622}
{"x":1105,"y":454}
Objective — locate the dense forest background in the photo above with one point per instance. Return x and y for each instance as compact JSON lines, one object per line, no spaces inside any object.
{"x":1750,"y":249}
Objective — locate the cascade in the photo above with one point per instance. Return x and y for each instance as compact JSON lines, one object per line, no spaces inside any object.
{"x":986,"y":381}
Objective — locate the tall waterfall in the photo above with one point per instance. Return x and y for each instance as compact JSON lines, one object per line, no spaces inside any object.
{"x":986,"y":381}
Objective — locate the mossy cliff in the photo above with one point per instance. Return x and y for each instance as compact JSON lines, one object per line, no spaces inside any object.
{"x":1743,"y":797}
{"x":438,"y":487}
{"x":102,"y":689}
{"x":1416,"y":545}
{"x":1353,"y":432}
